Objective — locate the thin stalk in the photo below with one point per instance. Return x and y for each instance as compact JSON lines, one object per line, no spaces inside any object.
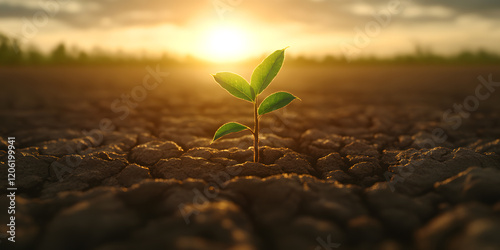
{"x":255,"y":133}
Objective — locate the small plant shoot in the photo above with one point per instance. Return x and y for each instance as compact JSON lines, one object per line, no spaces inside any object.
{"x":237,"y":86}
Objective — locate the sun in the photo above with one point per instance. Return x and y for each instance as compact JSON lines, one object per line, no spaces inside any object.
{"x":226,"y":43}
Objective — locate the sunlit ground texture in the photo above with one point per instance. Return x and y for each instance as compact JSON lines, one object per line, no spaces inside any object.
{"x":380,"y":157}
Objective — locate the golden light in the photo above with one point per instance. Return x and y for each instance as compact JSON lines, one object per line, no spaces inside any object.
{"x":226,"y":43}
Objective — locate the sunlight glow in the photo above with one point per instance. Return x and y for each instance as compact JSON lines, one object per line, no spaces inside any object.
{"x":226,"y":43}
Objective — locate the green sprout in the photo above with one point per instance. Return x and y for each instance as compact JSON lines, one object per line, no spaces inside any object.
{"x":240,"y":88}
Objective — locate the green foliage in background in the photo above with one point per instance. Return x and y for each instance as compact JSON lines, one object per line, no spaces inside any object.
{"x":13,"y":52}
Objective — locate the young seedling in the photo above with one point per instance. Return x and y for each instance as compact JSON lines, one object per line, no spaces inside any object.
{"x":240,"y":88}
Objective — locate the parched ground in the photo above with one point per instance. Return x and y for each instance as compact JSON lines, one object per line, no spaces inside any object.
{"x":385,"y":157}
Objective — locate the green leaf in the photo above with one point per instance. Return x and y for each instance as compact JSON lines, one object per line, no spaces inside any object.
{"x":275,"y":101}
{"x":235,"y":85}
{"x":267,"y":70}
{"x":230,"y":127}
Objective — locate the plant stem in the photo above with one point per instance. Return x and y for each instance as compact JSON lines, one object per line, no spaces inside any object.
{"x":255,"y":133}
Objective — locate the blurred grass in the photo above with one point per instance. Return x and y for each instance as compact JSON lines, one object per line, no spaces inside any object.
{"x":13,"y":53}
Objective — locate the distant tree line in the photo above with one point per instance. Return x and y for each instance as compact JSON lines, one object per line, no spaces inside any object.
{"x":419,"y":56}
{"x":12,"y":53}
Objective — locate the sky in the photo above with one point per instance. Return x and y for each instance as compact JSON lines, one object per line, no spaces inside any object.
{"x":225,"y":30}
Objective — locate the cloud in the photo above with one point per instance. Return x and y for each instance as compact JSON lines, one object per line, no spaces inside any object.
{"x":94,"y":13}
{"x":318,"y":15}
{"x":465,"y":6}
{"x":8,"y":10}
{"x":341,"y":14}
